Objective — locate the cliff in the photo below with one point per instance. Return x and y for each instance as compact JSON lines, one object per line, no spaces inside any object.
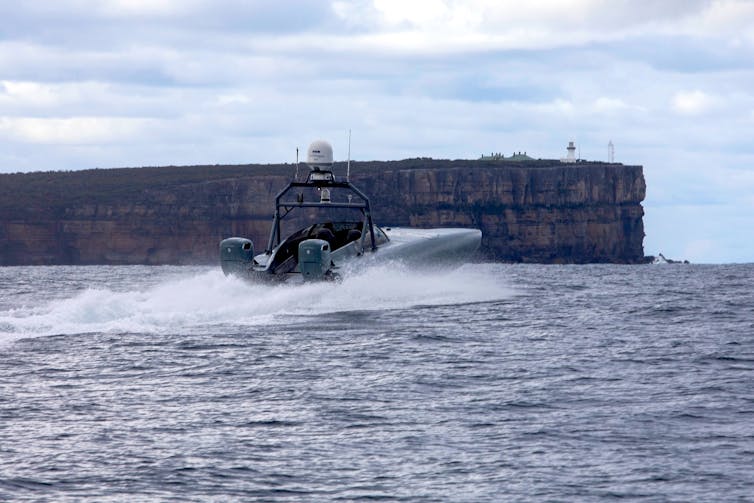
{"x":538,"y":211}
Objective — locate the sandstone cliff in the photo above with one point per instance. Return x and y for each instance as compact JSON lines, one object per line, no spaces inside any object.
{"x":539,"y":211}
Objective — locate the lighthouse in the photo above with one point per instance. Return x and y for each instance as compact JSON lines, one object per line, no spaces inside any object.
{"x":571,"y":155}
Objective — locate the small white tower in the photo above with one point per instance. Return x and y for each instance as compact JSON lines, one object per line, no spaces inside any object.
{"x":571,"y":156}
{"x":610,"y":152}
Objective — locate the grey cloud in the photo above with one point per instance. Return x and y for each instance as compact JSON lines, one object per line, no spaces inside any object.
{"x":86,"y":24}
{"x":680,"y":53}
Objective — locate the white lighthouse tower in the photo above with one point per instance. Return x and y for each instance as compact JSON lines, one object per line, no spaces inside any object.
{"x":571,"y":155}
{"x":610,"y":152}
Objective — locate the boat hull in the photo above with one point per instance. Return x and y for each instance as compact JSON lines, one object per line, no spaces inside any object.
{"x":414,"y":248}
{"x":429,"y":248}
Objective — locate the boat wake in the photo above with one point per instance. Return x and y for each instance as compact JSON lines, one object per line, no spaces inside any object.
{"x":196,"y":303}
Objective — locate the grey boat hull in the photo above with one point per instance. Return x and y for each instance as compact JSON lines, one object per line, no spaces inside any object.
{"x":439,"y":248}
{"x":429,"y":248}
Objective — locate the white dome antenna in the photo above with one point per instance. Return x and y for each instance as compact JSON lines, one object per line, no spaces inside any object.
{"x":319,"y":155}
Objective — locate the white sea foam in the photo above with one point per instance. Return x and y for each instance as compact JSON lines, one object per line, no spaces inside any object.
{"x":199,"y":301}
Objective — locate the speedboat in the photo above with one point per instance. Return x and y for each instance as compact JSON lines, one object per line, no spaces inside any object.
{"x":342,"y":237}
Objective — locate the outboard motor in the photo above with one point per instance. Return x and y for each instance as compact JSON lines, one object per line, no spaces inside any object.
{"x":314,"y":260}
{"x":236,"y":255}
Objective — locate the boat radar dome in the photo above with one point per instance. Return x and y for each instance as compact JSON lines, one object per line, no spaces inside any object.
{"x":319,"y":155}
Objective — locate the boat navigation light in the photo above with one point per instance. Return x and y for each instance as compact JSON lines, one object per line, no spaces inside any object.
{"x":324,"y":196}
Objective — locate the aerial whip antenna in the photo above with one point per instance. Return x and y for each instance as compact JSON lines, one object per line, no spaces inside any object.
{"x":348,"y":168}
{"x":296,"y":176}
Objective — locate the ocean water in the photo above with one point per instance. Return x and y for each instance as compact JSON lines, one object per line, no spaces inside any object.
{"x":490,"y":383}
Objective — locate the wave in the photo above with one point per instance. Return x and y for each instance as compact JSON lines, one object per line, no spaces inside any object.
{"x":201,"y":300}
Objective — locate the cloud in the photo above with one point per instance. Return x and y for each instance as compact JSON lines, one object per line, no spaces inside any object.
{"x":733,"y":19}
{"x":73,"y":131}
{"x":144,"y":8}
{"x":28,"y":94}
{"x":693,"y":102}
{"x":608,"y":105}
{"x":441,"y":25}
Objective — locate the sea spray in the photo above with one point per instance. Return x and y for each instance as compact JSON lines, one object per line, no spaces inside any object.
{"x":207,"y":298}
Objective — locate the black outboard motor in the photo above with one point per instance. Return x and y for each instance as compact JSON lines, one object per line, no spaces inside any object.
{"x":314,"y":260}
{"x":236,"y":255}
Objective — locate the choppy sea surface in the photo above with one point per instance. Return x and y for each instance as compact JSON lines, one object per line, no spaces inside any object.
{"x":489,"y":383}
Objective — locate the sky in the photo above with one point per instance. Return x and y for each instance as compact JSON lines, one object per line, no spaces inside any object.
{"x":125,"y":83}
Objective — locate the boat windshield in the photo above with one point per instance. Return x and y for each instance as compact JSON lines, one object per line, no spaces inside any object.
{"x":379,"y":237}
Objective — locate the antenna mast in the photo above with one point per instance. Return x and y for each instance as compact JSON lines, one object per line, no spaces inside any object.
{"x":296,"y":176}
{"x":348,"y":168}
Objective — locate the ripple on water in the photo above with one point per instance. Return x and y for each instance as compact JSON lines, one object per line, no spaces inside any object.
{"x":517,"y":382}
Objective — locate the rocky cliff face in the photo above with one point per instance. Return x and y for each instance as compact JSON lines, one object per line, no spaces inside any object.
{"x":539,"y":211}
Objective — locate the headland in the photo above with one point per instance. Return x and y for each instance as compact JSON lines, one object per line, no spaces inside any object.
{"x":537,"y":211}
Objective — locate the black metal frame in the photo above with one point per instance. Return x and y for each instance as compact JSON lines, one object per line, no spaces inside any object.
{"x":324,"y":182}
